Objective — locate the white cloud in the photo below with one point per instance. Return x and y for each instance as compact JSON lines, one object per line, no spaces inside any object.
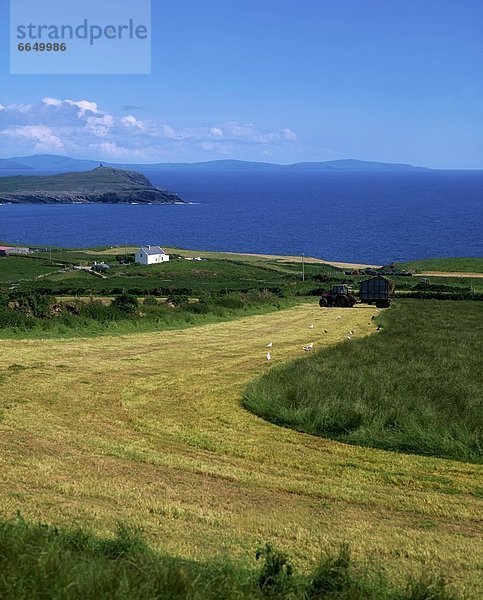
{"x":84,"y":106}
{"x":289,"y":135}
{"x":81,"y":128}
{"x":112,"y":150}
{"x":19,"y":108}
{"x":99,"y":125}
{"x":206,"y":146}
{"x":52,"y":101}
{"x":107,"y":120}
{"x":43,"y":138}
{"x":251,"y":133}
{"x":130,"y":121}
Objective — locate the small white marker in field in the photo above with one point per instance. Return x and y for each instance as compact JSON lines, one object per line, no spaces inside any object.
{"x":311,"y":326}
{"x":270,"y":344}
{"x":338,"y":316}
{"x":309,"y":347}
{"x":269,"y":356}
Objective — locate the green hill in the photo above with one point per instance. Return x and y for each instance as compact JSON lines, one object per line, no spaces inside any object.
{"x":448,"y":265}
{"x":103,"y":184}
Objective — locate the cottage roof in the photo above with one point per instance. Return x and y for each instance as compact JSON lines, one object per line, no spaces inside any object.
{"x":150,"y":250}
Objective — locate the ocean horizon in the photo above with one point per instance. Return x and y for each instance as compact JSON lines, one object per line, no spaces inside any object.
{"x":352,"y":217}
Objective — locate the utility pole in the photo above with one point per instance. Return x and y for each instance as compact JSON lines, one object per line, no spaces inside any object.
{"x":303,"y":266}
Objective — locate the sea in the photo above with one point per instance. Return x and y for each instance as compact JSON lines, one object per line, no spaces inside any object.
{"x":366,"y":217}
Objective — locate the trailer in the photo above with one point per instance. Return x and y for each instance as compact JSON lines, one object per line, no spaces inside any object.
{"x":376,"y":290}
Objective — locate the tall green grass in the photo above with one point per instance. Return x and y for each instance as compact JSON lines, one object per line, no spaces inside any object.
{"x":39,"y":562}
{"x":415,"y":386}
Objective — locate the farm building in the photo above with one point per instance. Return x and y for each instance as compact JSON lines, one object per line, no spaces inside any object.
{"x":7,"y":250}
{"x":151,"y":255}
{"x":100,"y":266}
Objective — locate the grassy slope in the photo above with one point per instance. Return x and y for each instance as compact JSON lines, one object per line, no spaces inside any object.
{"x":18,"y":269}
{"x":414,"y":387}
{"x":457,"y":265}
{"x":148,"y":429}
{"x":97,"y":180}
{"x":217,"y":275}
{"x":212,"y":275}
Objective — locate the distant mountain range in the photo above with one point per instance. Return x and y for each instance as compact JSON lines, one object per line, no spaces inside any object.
{"x":60,"y":164}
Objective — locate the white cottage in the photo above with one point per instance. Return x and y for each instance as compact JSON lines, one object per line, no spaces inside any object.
{"x":151,"y":255}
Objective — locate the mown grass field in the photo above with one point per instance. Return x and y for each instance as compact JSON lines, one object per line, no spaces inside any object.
{"x":149,"y":429}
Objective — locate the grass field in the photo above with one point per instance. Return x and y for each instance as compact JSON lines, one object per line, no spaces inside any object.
{"x":219,"y":272}
{"x":415,"y":387}
{"x":15,"y":269}
{"x":148,"y":429}
{"x":211,"y":275}
{"x":457,"y":265}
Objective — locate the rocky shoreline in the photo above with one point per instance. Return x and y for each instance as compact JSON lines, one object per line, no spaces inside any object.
{"x":148,"y":196}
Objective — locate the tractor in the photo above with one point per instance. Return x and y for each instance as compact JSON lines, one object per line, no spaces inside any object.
{"x":340,"y":295}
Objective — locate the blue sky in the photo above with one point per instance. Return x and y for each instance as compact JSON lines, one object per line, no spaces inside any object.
{"x":270,"y":80}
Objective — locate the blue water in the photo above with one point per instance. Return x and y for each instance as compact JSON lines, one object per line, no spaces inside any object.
{"x":367,"y":217}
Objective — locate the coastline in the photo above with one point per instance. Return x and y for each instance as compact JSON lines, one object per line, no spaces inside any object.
{"x":266,"y":257}
{"x":249,"y":255}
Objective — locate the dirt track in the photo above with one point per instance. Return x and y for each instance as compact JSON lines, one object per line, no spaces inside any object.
{"x":449,"y":274}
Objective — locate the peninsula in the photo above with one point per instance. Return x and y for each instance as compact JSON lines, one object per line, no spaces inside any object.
{"x":100,"y":185}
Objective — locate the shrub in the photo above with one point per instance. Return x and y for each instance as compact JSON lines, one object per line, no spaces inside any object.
{"x":125,"y":258}
{"x":428,"y":587}
{"x":231,"y":301}
{"x":14,"y":318}
{"x":100,"y":312}
{"x":276,"y":570}
{"x":332,"y":575}
{"x":150,"y":301}
{"x":34,"y":304}
{"x":178,"y":299}
{"x":126,"y":303}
